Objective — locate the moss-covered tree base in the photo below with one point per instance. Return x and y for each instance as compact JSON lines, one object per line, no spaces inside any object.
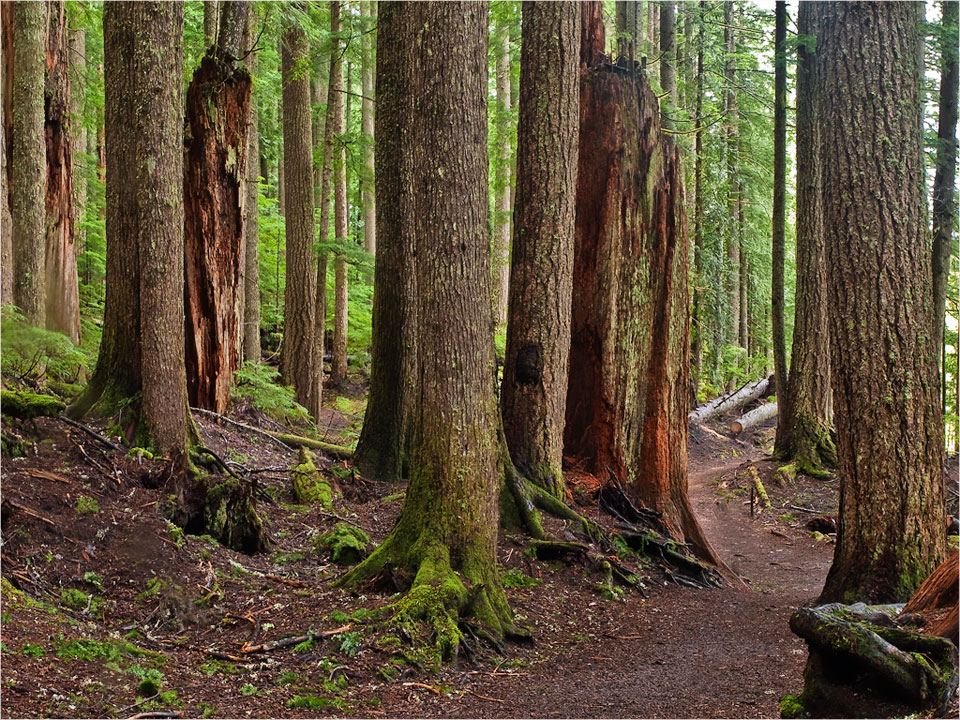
{"x":862,"y":665}
{"x":812,"y":448}
{"x":442,"y":597}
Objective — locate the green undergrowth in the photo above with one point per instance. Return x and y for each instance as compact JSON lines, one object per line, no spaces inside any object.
{"x":259,"y":384}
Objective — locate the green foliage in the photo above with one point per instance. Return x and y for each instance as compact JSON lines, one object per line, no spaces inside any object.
{"x":87,"y":506}
{"x":109,"y":650}
{"x":349,"y":643}
{"x":94,"y":579}
{"x":151,"y":680}
{"x":34,"y":651}
{"x":74,"y":599}
{"x":248,"y":689}
{"x":515,"y":578}
{"x":214,"y":667}
{"x":40,"y":356}
{"x":259,"y":384}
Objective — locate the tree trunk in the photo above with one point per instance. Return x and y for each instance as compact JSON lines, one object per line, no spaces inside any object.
{"x":384,"y":444}
{"x":251,"y":233}
{"x":7,"y":270}
{"x":628,"y":389}
{"x":28,"y":160}
{"x":501,"y":232}
{"x":211,"y":21}
{"x":368,"y":9}
{"x":78,"y":133}
{"x":944,"y":183}
{"x":533,"y":393}
{"x":668,"y":66}
{"x":297,"y":359}
{"x":323,"y":172}
{"x":447,"y":531}
{"x":803,"y":428}
{"x":733,"y":174}
{"x":338,"y":366}
{"x":889,"y":426}
{"x":698,"y":331}
{"x":754,"y":417}
{"x":779,"y":194}
{"x":218,"y":106}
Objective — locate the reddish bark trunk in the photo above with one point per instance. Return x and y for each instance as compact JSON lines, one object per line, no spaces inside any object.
{"x":217,"y":109}
{"x":62,"y":291}
{"x":627,"y":396}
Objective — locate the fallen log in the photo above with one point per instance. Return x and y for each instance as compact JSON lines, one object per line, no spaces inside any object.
{"x":288,"y":641}
{"x":754,"y":417}
{"x":739,"y":397}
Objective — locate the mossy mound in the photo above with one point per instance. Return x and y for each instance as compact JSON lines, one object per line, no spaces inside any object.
{"x":346,"y":544}
{"x":309,"y":486}
{"x":28,"y":405}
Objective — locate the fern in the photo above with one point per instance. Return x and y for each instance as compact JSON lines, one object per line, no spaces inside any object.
{"x":259,"y":384}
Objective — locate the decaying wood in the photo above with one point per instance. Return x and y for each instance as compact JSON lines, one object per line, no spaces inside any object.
{"x":754,"y":417}
{"x":287,"y":642}
{"x":937,"y":592}
{"x":739,"y":397}
{"x":92,"y":433}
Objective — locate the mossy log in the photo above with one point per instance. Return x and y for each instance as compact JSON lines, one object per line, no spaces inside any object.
{"x":858,"y":647}
{"x":29,"y":405}
{"x":309,"y":486}
{"x":335,"y":451}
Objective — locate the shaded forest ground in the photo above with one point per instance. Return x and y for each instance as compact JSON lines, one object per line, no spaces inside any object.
{"x":101,"y":594}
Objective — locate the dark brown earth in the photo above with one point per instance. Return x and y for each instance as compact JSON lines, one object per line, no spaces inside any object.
{"x":678,"y":653}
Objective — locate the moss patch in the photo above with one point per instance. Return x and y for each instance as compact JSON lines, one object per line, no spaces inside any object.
{"x":309,"y":486}
{"x":346,"y":544}
{"x":28,"y":405}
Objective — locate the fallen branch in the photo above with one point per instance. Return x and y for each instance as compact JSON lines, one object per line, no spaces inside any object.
{"x":157,"y":714}
{"x":424,"y":686}
{"x":243,"y":426}
{"x":44,"y":475}
{"x":92,"y":433}
{"x":286,"y":581}
{"x":485,"y":697}
{"x":288,"y":641}
{"x":336,"y":451}
{"x":31,"y":513}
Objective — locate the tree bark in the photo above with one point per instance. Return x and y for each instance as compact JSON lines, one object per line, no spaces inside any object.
{"x":803,"y":427}
{"x":384,"y":444}
{"x":533,"y":393}
{"x":7,"y":269}
{"x":297,"y":355}
{"x":251,"y":233}
{"x":211,"y":21}
{"x":944,"y":183}
{"x":779,"y":194}
{"x":218,"y":105}
{"x":338,"y":366}
{"x":628,"y":389}
{"x":447,"y":531}
{"x":889,"y":425}
{"x":78,"y":133}
{"x":368,"y":9}
{"x":502,"y":189}
{"x":28,"y":160}
{"x":698,"y":331}
{"x":323,"y":173}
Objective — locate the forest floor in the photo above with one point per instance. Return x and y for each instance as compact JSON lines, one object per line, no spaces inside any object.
{"x":102,"y":593}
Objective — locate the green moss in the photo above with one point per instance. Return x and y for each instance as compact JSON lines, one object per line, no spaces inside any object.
{"x":787,"y":473}
{"x":514,"y":578}
{"x":214,"y":667}
{"x":28,"y":405}
{"x":151,"y":682}
{"x":309,"y":486}
{"x":791,"y":707}
{"x":33,"y":651}
{"x":313,"y":702}
{"x":346,"y":544}
{"x":108,"y":650}
{"x":248,"y":689}
{"x":74,"y":599}
{"x":87,"y":506}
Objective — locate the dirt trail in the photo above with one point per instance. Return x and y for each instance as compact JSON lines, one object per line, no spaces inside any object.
{"x":686,"y":653}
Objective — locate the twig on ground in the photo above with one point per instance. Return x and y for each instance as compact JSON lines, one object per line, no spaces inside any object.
{"x":286,"y":581}
{"x":31,"y":513}
{"x":243,"y":426}
{"x":288,"y":641}
{"x":804,"y":509}
{"x":485,"y":697}
{"x":424,"y":686}
{"x":92,"y":433}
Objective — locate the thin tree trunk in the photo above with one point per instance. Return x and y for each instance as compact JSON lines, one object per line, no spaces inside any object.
{"x":533,"y":393}
{"x":281,"y":185}
{"x":779,"y":194}
{"x":368,"y":9}
{"x":889,"y":426}
{"x":78,"y":133}
{"x":668,"y":67}
{"x":297,"y":355}
{"x":251,"y":232}
{"x":338,"y":366}
{"x":803,"y":428}
{"x":28,"y":159}
{"x":323,"y":141}
{"x":699,"y":328}
{"x":501,"y":237}
{"x":944,"y":183}
{"x":447,"y":531}
{"x":211,"y":21}
{"x":628,"y":390}
{"x":218,"y":107}
{"x":7,"y":269}
{"x":733,"y":174}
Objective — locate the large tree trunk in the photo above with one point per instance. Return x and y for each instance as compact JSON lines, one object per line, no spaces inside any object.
{"x":803,"y":427}
{"x":322,"y":174}
{"x":218,"y":105}
{"x":533,"y":392}
{"x":698,"y":330}
{"x":297,"y":355}
{"x":368,"y":9}
{"x":62,"y":292}
{"x":251,"y":233}
{"x":28,"y":159}
{"x":78,"y":133}
{"x":384,"y":444}
{"x":732,"y":131}
{"x":944,"y":183}
{"x":338,"y":364}
{"x":502,"y":224}
{"x":884,"y":365}
{"x":779,"y":195}
{"x":447,"y":531}
{"x":7,"y":270}
{"x":628,"y":389}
